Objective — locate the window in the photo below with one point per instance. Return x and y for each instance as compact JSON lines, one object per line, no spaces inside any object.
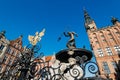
{"x":117,"y":32}
{"x":10,"y":61}
{"x":95,"y":37}
{"x":104,"y":40}
{"x":117,"y":49}
{"x":13,"y":53}
{"x":100,"y":52}
{"x":0,"y":68}
{"x":8,"y":50}
{"x":7,"y":69}
{"x":5,"y":58}
{"x":109,"y":34}
{"x":15,"y":46}
{"x":111,"y":39}
{"x":96,"y":42}
{"x":106,"y":68}
{"x":114,"y":64}
{"x":1,"y":47}
{"x":102,"y":36}
{"x":108,"y":50}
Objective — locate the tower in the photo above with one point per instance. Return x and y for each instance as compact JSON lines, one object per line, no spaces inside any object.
{"x":89,"y":23}
{"x":105,"y":43}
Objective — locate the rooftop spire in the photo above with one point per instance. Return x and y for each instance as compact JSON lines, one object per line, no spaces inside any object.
{"x":89,"y":23}
{"x":114,"y":20}
{"x":88,"y":19}
{"x":2,"y":33}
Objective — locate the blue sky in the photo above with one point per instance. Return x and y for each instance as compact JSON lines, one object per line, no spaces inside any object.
{"x":56,"y":16}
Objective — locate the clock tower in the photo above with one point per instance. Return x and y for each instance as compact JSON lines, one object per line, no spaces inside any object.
{"x":89,"y":23}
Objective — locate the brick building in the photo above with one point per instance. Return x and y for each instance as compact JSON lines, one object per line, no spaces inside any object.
{"x":105,"y":43}
{"x":9,"y":51}
{"x":3,"y":45}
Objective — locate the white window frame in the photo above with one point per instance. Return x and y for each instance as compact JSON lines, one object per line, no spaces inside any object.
{"x":117,"y":49}
{"x":100,"y":52}
{"x":108,"y":50}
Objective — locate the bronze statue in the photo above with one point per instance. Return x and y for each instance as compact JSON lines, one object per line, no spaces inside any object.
{"x":71,"y":43}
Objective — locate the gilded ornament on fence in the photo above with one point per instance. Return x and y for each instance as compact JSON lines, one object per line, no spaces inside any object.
{"x":35,"y":39}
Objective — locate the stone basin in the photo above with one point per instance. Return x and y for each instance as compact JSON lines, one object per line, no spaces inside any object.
{"x":63,"y":55}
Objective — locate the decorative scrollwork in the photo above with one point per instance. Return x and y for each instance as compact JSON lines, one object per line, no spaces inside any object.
{"x":34,"y":48}
{"x":46,"y":73}
{"x":37,"y":48}
{"x":92,"y":67}
{"x":57,"y":77}
{"x":82,"y":59}
{"x":39,"y":55}
{"x":35,"y":67}
{"x":76,"y":72}
{"x":35,"y":39}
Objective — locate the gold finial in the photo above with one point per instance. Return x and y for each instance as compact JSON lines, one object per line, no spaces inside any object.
{"x":35,"y":39}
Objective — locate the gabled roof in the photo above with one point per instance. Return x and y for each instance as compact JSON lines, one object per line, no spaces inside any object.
{"x":18,"y":41}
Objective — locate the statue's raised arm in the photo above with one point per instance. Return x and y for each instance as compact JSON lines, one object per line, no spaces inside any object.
{"x":75,"y":34}
{"x":66,"y":35}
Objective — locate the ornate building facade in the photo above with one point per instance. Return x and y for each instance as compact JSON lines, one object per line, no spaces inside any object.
{"x":9,"y":52}
{"x":105,"y":43}
{"x":3,"y":45}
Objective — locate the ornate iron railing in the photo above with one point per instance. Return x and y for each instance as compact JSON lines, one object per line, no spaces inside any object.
{"x":27,"y":68}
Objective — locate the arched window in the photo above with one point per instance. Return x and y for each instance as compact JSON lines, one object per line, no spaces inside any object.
{"x":106,"y":68}
{"x":102,"y":36}
{"x":1,"y":47}
{"x":5,"y":59}
{"x":95,"y":38}
{"x":8,"y":50}
{"x":94,"y":34}
{"x":110,"y":37}
{"x":117,"y":32}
